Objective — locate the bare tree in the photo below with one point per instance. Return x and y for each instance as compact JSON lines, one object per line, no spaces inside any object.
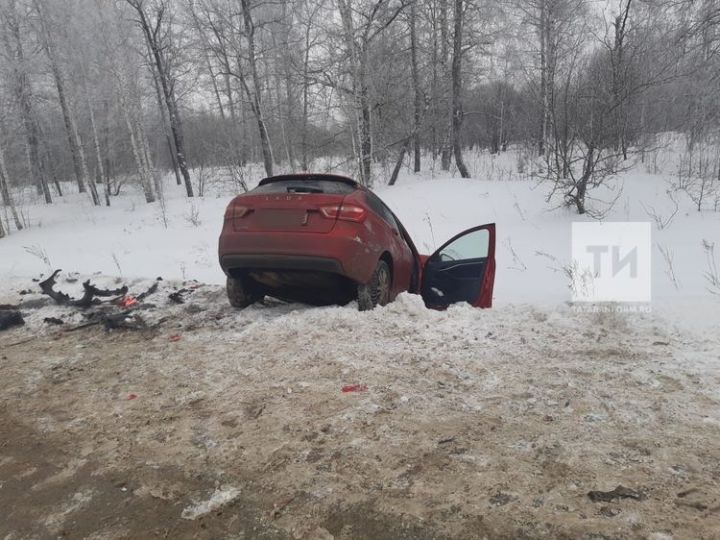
{"x":445,"y":73}
{"x":214,"y":42}
{"x":98,"y":151}
{"x":417,"y":91}
{"x":156,"y":28}
{"x":619,"y":70}
{"x":255,"y":94}
{"x":284,"y":79}
{"x":585,"y":149}
{"x":361,"y":26}
{"x":164,"y":119}
{"x":73,"y":136}
{"x":457,"y":117}
{"x":23,"y":95}
{"x":308,"y":42}
{"x":7,"y":199}
{"x":368,"y":82}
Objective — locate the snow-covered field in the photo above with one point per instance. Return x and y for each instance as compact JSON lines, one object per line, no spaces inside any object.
{"x":133,"y":240}
{"x":470,"y":423}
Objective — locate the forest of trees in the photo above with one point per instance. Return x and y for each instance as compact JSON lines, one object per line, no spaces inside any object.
{"x":100,"y":94}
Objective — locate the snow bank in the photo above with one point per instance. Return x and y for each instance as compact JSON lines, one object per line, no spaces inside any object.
{"x":136,"y":240}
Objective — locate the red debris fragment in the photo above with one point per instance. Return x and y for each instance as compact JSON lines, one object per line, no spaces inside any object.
{"x":131,"y":396}
{"x":354,"y":388}
{"x":174,"y":338}
{"x":128,"y":301}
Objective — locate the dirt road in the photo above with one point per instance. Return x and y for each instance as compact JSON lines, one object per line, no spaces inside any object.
{"x":474,"y":424}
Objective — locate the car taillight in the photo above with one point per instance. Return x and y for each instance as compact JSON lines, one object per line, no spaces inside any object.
{"x":241,"y":211}
{"x":346,"y":212}
{"x":236,"y":212}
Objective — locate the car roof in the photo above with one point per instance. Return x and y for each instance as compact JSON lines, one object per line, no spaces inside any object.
{"x":310,"y":176}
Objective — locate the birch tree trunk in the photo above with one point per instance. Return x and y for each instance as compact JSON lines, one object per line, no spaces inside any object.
{"x":83,"y":162}
{"x":107,"y":167}
{"x":357,"y":52}
{"x":290,"y":103}
{"x":163,"y":119}
{"x":98,"y":152}
{"x":617,"y":57}
{"x":544,"y":101}
{"x":416,"y":88}
{"x":457,"y":117}
{"x":255,"y":96}
{"x":152,"y":173}
{"x":23,"y":95}
{"x":446,"y":152}
{"x":5,"y":191}
{"x":398,"y":162}
{"x":305,"y":99}
{"x":177,"y":132}
{"x":49,"y":47}
{"x":48,"y":169}
{"x":145,"y":179}
{"x":365,"y":127}
{"x":552,"y":40}
{"x":151,"y":37}
{"x":434,"y":85}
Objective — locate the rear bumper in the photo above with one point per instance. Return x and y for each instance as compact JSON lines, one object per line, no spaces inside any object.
{"x":281,"y":262}
{"x":341,"y":252}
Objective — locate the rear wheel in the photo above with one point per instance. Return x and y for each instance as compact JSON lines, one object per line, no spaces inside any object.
{"x":377,"y":290}
{"x":241,"y":292}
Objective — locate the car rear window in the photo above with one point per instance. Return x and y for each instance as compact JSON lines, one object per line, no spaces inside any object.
{"x":306,"y":185}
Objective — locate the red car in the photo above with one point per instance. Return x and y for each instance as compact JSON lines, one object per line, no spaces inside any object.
{"x":323,"y":238}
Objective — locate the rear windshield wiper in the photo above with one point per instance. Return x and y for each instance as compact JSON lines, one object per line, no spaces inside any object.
{"x":303,"y":189}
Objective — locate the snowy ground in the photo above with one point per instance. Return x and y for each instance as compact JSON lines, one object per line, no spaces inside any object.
{"x":130,"y":239}
{"x":475,"y":423}
{"x":472,"y":423}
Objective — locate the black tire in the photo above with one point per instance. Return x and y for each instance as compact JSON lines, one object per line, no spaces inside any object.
{"x":377,"y":290}
{"x":240,"y":293}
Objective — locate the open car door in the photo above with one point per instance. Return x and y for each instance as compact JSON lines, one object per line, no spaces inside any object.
{"x":462,"y":270}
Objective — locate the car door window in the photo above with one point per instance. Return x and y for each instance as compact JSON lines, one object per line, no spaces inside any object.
{"x":462,"y":270}
{"x":474,"y":245}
